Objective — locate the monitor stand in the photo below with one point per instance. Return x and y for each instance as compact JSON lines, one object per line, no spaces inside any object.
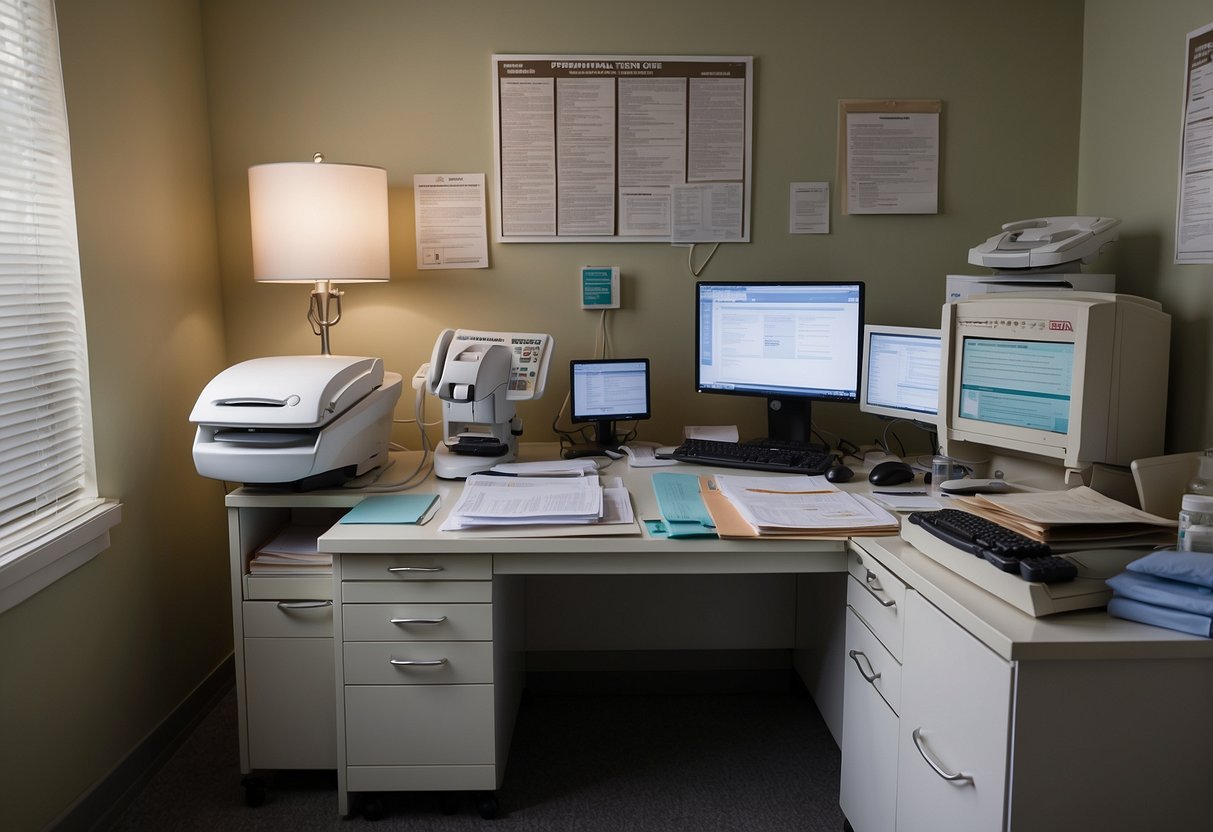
{"x":605,"y":440}
{"x":789,"y":420}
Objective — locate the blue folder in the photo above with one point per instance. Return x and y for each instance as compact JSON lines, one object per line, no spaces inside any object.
{"x":681,"y":506}
{"x":391,"y":508}
{"x":1185,"y":622}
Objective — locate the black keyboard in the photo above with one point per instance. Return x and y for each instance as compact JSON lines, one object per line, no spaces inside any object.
{"x":785,"y":457}
{"x":1009,"y":550}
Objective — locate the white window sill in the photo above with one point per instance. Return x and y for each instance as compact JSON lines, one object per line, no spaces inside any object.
{"x":41,"y":562}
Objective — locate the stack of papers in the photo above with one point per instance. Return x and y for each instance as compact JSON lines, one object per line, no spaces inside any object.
{"x":791,"y":506}
{"x":292,"y":552}
{"x":493,"y":502}
{"x":1075,"y":519}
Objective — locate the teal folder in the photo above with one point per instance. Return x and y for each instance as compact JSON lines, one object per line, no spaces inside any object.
{"x":682,"y":506}
{"x":392,"y":508}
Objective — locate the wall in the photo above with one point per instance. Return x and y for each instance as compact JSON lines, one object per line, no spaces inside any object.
{"x":1132,"y":99}
{"x":94,"y":662}
{"x":407,"y":86}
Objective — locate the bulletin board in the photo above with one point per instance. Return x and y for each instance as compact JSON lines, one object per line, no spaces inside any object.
{"x":594,"y":148}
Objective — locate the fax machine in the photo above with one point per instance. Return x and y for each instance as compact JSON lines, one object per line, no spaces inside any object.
{"x":307,"y":421}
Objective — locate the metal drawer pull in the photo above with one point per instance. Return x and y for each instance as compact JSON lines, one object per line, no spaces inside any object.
{"x":417,"y":662}
{"x":303,"y":605}
{"x":873,"y":586}
{"x":414,"y":569}
{"x":868,"y":677}
{"x":438,"y":620}
{"x":939,"y":769}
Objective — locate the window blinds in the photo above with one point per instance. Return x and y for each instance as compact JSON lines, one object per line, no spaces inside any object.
{"x":46,"y":467}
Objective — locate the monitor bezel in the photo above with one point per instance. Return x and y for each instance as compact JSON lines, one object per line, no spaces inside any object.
{"x":887,"y":411}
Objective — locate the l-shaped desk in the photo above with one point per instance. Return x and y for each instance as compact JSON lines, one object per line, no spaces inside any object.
{"x":954,"y":710}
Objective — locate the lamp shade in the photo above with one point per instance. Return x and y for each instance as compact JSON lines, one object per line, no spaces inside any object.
{"x":319,"y":221}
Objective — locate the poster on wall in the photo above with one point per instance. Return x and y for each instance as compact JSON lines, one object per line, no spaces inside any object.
{"x":448,"y":210}
{"x":888,"y":156}
{"x":596,"y":148}
{"x":1194,"y":209}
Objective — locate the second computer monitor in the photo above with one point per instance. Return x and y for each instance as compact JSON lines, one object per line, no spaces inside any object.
{"x":606,"y":391}
{"x":901,"y":372}
{"x":793,"y":342}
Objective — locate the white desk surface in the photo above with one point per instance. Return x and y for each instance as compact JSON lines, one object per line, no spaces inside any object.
{"x":1008,"y":632}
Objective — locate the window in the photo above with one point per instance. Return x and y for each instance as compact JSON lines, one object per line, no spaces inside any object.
{"x":51,"y":518}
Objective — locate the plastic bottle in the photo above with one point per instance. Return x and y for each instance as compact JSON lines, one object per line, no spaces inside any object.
{"x":1196,"y":523}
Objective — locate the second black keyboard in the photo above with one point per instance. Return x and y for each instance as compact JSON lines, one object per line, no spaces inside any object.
{"x":981,"y":537}
{"x":756,"y":456}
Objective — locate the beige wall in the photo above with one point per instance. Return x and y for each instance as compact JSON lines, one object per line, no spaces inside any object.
{"x":406,"y":86}
{"x":97,"y":660}
{"x":1132,"y":95}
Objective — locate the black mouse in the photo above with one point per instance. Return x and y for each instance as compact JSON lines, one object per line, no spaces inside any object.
{"x":891,"y":472}
{"x":839,"y":473}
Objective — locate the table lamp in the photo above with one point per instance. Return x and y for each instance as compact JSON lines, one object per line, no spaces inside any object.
{"x":322,"y":223}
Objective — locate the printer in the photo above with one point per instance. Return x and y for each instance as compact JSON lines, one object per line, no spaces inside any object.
{"x":301,"y":421}
{"x":1044,"y":254}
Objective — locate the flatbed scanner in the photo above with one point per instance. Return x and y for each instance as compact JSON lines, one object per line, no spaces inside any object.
{"x":301,"y":421}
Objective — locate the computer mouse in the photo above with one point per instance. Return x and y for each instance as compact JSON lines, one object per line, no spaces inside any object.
{"x":891,"y":472}
{"x":839,"y":473}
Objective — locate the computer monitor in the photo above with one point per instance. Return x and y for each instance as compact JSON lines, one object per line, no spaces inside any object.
{"x":1074,"y":378}
{"x":900,"y":378}
{"x":790,"y":342}
{"x":606,"y":391}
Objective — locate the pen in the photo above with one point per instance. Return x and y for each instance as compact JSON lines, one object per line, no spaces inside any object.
{"x":903,"y":493}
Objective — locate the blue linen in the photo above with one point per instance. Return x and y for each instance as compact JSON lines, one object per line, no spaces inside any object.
{"x":1185,"y":622}
{"x":1163,"y":592}
{"x":1189,"y":567}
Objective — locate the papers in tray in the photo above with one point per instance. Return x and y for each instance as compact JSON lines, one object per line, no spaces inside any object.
{"x":292,"y":552}
{"x":795,"y":506}
{"x":1073,"y":519}
{"x":491,"y":502}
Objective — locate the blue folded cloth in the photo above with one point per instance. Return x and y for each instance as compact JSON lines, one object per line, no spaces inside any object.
{"x":1189,"y":567}
{"x":1163,"y":592}
{"x":1185,"y":622}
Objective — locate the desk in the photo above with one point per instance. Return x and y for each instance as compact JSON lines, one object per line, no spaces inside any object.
{"x":435,"y":725}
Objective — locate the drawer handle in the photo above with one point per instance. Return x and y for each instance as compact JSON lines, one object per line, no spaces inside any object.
{"x":414,"y":569}
{"x":438,"y":620}
{"x":873,"y":586}
{"x":417,"y":662}
{"x":868,"y":677}
{"x":303,"y":605}
{"x":939,"y":769}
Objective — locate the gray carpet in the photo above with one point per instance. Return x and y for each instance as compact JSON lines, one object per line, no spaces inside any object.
{"x":579,"y":763}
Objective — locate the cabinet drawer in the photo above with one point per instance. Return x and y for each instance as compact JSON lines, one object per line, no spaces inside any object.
{"x":416,"y":567}
{"x":870,"y":664}
{"x":402,"y":725}
{"x":383,"y":662}
{"x":416,"y":592}
{"x":868,"y":788}
{"x":417,"y":622}
{"x":288,"y":619}
{"x":290,"y":701}
{"x":878,"y":597}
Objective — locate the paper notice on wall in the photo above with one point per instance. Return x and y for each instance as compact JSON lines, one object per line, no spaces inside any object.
{"x":1194,"y":211}
{"x":452,"y":232}
{"x":809,"y":208}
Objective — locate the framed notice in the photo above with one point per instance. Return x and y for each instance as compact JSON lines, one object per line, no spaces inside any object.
{"x":594,"y":148}
{"x":888,"y":156}
{"x":1194,"y":209}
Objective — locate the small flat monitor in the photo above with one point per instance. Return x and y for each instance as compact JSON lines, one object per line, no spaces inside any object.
{"x":901,"y":372}
{"x":791,"y":342}
{"x":606,"y":391}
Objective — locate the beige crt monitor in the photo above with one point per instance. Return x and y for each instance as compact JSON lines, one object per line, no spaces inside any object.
{"x":1074,"y":379}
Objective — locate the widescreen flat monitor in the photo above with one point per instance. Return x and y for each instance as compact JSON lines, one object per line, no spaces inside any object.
{"x":901,"y":372}
{"x":789,"y":342}
{"x":606,"y":391}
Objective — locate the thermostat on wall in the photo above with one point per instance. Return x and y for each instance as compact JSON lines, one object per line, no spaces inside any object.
{"x":599,"y":287}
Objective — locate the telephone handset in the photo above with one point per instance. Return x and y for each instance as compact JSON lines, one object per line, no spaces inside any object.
{"x":530,"y":354}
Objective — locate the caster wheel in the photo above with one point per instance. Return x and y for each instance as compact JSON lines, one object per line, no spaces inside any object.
{"x":372,"y":808}
{"x":486,"y":805}
{"x":447,"y":803}
{"x":254,"y":791}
